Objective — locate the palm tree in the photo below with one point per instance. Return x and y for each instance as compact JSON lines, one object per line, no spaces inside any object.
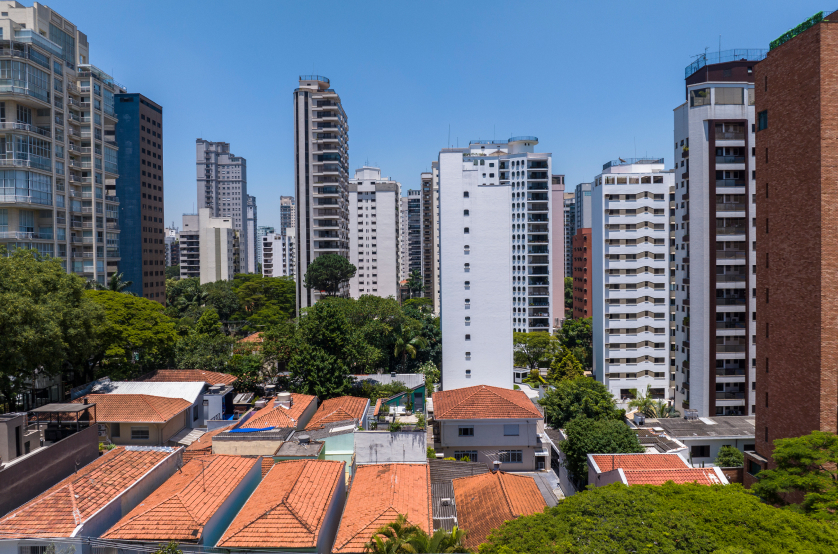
{"x":643,"y":402}
{"x":115,"y":284}
{"x":407,"y":344}
{"x":665,"y":410}
{"x":414,"y":282}
{"x":393,"y":538}
{"x":440,"y":542}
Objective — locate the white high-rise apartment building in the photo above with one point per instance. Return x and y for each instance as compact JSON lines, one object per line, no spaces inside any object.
{"x":321,"y":177}
{"x":558,"y":241}
{"x":435,"y":236}
{"x":261,"y":231}
{"x":251,"y":235}
{"x":631,"y":277}
{"x":222,"y":187}
{"x":278,"y":254}
{"x":715,"y":257}
{"x":210,"y":247}
{"x":374,"y":229}
{"x":58,"y":181}
{"x":404,"y":253}
{"x":495,"y":256}
{"x":287,"y":213}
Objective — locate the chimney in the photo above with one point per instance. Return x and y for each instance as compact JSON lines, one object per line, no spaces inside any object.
{"x":85,"y":400}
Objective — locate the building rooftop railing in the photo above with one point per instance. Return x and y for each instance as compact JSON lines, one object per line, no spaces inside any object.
{"x":737,"y":54}
{"x":516,"y":139}
{"x":630,"y":161}
{"x":314,"y":78}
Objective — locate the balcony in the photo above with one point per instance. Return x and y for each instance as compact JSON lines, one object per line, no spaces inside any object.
{"x":730,"y":183}
{"x":538,"y":218}
{"x":731,"y":325}
{"x":731,"y":254}
{"x":731,"y":348}
{"x":731,"y":207}
{"x":730,"y":372}
{"x":538,"y":207}
{"x":730,"y":135}
{"x":730,"y":229}
{"x":732,"y":277}
{"x":730,"y":395}
{"x":730,"y":159}
{"x":731,"y":301}
{"x":26,"y":235}
{"x":12,"y":126}
{"x":537,"y":186}
{"x":538,"y":249}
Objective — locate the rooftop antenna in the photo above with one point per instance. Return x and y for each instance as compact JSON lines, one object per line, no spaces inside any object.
{"x":449,"y":136}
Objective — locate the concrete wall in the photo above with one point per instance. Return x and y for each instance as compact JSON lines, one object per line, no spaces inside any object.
{"x":224,"y":515}
{"x":23,"y":481}
{"x":8,"y":450}
{"x":246,"y":447}
{"x":158,"y":434}
{"x":489,"y":440}
{"x":331,"y":521}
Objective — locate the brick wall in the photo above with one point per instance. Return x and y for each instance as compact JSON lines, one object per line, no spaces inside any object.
{"x":797,"y":239}
{"x":582,"y":279}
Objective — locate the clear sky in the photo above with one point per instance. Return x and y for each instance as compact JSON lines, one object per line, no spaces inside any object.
{"x":592,"y":80}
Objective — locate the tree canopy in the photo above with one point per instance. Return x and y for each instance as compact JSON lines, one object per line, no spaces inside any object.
{"x":578,"y":397}
{"x":533,"y":350}
{"x":327,"y":273}
{"x":729,"y":456}
{"x":596,"y":436}
{"x":577,"y":336}
{"x":667,"y":519}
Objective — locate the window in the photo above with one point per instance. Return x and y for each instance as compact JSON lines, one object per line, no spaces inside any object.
{"x":195,"y":410}
{"x":699,"y":97}
{"x":729,"y":96}
{"x":468,"y":337}
{"x":511,"y":430}
{"x":468,"y":319}
{"x":701,"y":451}
{"x":512,"y":457}
{"x":762,"y":120}
{"x":114,"y":430}
{"x":465,"y":230}
{"x":139,"y":433}
{"x":465,"y":212}
{"x":465,"y":194}
{"x":466,"y":431}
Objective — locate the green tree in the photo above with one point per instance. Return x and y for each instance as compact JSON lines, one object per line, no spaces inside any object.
{"x":171,"y":548}
{"x":46,"y":321}
{"x":533,"y":350}
{"x":408,"y":343}
{"x":246,"y":365}
{"x":568,"y":294}
{"x":210,"y":352}
{"x":209,"y":324}
{"x":401,"y":536}
{"x":566,"y":367}
{"x":136,"y":335}
{"x":579,"y":397}
{"x":577,"y":336}
{"x":596,"y":436}
{"x":666,"y":519}
{"x":315,"y":371}
{"x":415,"y":284}
{"x":172,"y":272}
{"x":806,"y":467}
{"x":265,"y":301}
{"x":327,"y":273}
{"x":374,"y":391}
{"x":114,"y":284}
{"x":665,"y":410}
{"x":642,"y":402}
{"x":432,"y":376}
{"x":729,"y":456}
{"x":424,"y":305}
{"x":222,"y":298}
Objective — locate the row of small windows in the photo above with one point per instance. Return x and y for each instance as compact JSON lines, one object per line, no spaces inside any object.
{"x":725,"y":96}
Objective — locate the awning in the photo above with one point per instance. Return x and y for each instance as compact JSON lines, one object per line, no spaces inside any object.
{"x":187,"y":436}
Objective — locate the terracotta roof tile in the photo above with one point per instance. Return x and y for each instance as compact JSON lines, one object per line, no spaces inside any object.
{"x":485,"y":502}
{"x":278,"y":416}
{"x":483,"y":402}
{"x":60,"y":510}
{"x":253,"y":337}
{"x":338,"y":409}
{"x":378,"y":495}
{"x":267,"y":464}
{"x":607,"y":462}
{"x":136,"y":407}
{"x":702,"y":476}
{"x":188,"y":375}
{"x":288,"y":507}
{"x":203,"y":445}
{"x":180,"y":507}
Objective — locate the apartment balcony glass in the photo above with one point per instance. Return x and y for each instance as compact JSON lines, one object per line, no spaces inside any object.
{"x":537,"y":186}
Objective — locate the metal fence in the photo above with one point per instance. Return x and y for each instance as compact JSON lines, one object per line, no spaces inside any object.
{"x":737,"y":54}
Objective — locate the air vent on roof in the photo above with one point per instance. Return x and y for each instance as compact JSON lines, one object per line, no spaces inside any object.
{"x":445,"y":501}
{"x":283,"y":399}
{"x":304,"y":439}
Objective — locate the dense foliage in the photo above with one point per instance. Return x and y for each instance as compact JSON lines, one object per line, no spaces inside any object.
{"x":327,"y":273}
{"x":576,"y":335}
{"x":578,"y":397}
{"x":596,"y":436}
{"x":806,"y":467}
{"x":402,"y":536}
{"x":729,"y":456}
{"x":689,"y":519}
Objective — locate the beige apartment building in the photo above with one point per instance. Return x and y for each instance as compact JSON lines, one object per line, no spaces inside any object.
{"x":210,"y":247}
{"x":321,"y":171}
{"x":58,"y":151}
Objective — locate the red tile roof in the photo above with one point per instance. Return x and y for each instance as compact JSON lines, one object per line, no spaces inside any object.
{"x":483,"y":402}
{"x":378,"y":495}
{"x":188,"y":375}
{"x":180,"y":508}
{"x":607,"y":462}
{"x":484,"y":502}
{"x":342,"y":408}
{"x":278,"y":416}
{"x":132,"y":408}
{"x":288,"y":507}
{"x":702,"y":476}
{"x":203,"y":445}
{"x":267,"y":464}
{"x":60,"y":510}
{"x":253,"y":337}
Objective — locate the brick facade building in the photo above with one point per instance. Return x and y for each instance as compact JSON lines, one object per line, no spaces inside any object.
{"x":582,"y":256}
{"x":797,"y":241}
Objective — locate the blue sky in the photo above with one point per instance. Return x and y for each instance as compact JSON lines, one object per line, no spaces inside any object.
{"x":590,"y":79}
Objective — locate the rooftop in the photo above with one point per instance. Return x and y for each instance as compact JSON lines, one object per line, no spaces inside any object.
{"x":189,"y":391}
{"x":738,"y":54}
{"x":332,"y":429}
{"x":180,"y":508}
{"x":483,"y":402}
{"x":186,"y":375}
{"x":59,"y":408}
{"x":273,"y":415}
{"x":66,"y":506}
{"x":203,"y":445}
{"x":383,"y":447}
{"x":485,"y":502}
{"x":136,"y":407}
{"x":682,"y":476}
{"x":601,"y":463}
{"x":378,"y":495}
{"x":632,"y":161}
{"x":288,"y":508}
{"x":725,"y":426}
{"x":253,"y":337}
{"x":297,"y":448}
{"x":445,"y":471}
{"x":410,"y":380}
{"x":342,"y":408}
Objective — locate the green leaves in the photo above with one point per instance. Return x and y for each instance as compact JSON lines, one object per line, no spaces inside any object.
{"x":729,"y":456}
{"x":533,"y":350}
{"x":327,"y":273}
{"x":579,"y":397}
{"x":604,"y":436}
{"x":667,"y":519}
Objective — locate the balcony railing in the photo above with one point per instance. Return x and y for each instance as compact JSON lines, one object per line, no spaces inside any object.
{"x":731,"y":301}
{"x":730,"y":372}
{"x":731,"y":254}
{"x":731,"y":278}
{"x":730,"y":183}
{"x":730,"y":395}
{"x":730,"y":348}
{"x":730,"y":159}
{"x":730,"y":135}
{"x":730,"y":325}
{"x":730,"y":229}
{"x":731,"y":207}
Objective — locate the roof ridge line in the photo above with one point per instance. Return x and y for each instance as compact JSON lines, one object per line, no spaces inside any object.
{"x":76,"y":512}
{"x":506,"y":494}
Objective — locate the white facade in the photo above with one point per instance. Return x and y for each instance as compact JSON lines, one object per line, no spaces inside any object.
{"x":495,"y":256}
{"x":374,"y":233}
{"x":631,"y":277}
{"x":435,"y":235}
{"x":321,"y":171}
{"x":278,"y":256}
{"x":714,"y":368}
{"x":404,"y":273}
{"x":222,"y":187}
{"x":210,"y":247}
{"x":251,"y":235}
